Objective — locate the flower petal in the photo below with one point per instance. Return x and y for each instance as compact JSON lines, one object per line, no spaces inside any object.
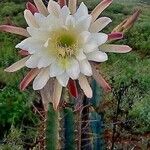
{"x":99,"y":79}
{"x":63,"y":79}
{"x":84,"y":84}
{"x":41,"y":79}
{"x":56,"y":94}
{"x":72,"y":4}
{"x":100,"y":24}
{"x":70,"y":21}
{"x":65,"y":12}
{"x":73,"y":70}
{"x":28,"y":78}
{"x":85,"y":68}
{"x":90,"y":46}
{"x":32,"y":45}
{"x":84,"y":24}
{"x":45,"y":61}
{"x":31,"y":7}
{"x":97,"y":56}
{"x":30,"y":19}
{"x":41,"y":7}
{"x":115,"y":48}
{"x":40,"y":19}
{"x":115,"y":36}
{"x":33,"y":61}
{"x":81,"y":56}
{"x":54,"y":8}
{"x":73,"y":88}
{"x":82,"y":12}
{"x":15,"y":30}
{"x":100,"y":38}
{"x":38,"y":33}
{"x":99,"y":8}
{"x":55,"y":69}
{"x":18,"y":65}
{"x":85,"y":36}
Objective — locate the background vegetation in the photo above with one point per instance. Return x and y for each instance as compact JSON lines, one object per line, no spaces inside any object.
{"x":128,"y":74}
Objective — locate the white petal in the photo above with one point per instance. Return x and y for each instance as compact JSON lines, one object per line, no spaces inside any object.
{"x":38,"y":33}
{"x":65,"y":12}
{"x":84,"y":36}
{"x":73,"y":70}
{"x":18,"y":65}
{"x":100,"y":24}
{"x":63,"y":79}
{"x":31,"y":45}
{"x":56,"y":69}
{"x":41,"y":7}
{"x":54,"y":22}
{"x":84,"y":24}
{"x":56,"y":94}
{"x":90,"y":47}
{"x":97,"y":56}
{"x":81,"y":56}
{"x":82,"y":11}
{"x":115,"y":48}
{"x":85,"y":86}
{"x":100,"y":38}
{"x":54,"y":8}
{"x":33,"y":61}
{"x":45,"y":61}
{"x":41,"y":79}
{"x":70,"y":21}
{"x":40,"y":19}
{"x":85,"y":68}
{"x":72,"y":4}
{"x":30,"y":19}
{"x":48,"y":22}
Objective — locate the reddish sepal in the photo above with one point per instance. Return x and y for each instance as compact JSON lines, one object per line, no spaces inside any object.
{"x":31,"y":7}
{"x":73,"y":88}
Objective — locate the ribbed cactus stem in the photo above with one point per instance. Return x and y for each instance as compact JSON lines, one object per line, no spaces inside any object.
{"x":76,"y":125}
{"x":53,"y":128}
{"x":69,"y":129}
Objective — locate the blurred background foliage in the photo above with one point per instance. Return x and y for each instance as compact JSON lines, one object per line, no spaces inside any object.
{"x":17,"y":118}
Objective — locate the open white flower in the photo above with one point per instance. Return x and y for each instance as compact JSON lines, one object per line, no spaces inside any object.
{"x":61,"y":42}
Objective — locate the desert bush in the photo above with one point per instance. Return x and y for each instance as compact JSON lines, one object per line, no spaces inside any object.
{"x":15,"y":108}
{"x":140,"y":113}
{"x":139,"y":38}
{"x":10,"y":9}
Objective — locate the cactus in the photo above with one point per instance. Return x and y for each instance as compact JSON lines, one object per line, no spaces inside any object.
{"x":76,"y":126}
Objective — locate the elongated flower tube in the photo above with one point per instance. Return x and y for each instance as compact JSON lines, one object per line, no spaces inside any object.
{"x":62,"y":42}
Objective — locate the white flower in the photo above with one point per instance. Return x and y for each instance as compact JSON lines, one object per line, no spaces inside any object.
{"x":61,"y":43}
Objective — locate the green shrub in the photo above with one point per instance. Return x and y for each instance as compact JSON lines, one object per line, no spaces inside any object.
{"x":14,"y":105}
{"x":10,"y":9}
{"x":138,"y":37}
{"x":140,"y":113}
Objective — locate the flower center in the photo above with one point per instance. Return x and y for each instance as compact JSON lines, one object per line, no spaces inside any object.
{"x":64,"y":43}
{"x":66,"y":40}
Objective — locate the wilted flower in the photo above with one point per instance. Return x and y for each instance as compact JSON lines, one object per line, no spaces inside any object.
{"x":62,"y":42}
